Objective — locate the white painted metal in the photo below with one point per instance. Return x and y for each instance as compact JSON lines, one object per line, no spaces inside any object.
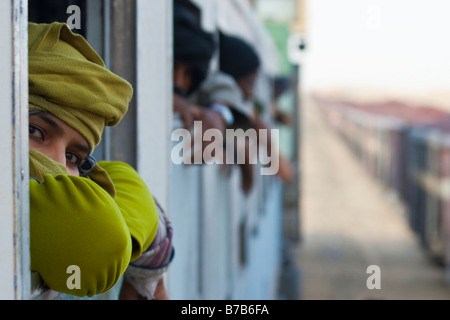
{"x":184,"y":275}
{"x":154,"y":94}
{"x":20,"y":146}
{"x":7,"y":250}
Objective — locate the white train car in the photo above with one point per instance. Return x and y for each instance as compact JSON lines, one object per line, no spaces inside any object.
{"x":228,"y":246}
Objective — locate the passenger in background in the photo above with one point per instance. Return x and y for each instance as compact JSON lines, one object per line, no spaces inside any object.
{"x":222,"y":99}
{"x":99,"y":218}
{"x":232,"y":88}
{"x":193,"y":51}
{"x":281,"y":85}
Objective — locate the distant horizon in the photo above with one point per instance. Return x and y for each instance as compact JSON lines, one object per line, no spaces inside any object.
{"x":433,"y":97}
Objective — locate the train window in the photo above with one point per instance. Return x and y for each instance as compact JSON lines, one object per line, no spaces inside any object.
{"x":129,"y":20}
{"x":86,"y":18}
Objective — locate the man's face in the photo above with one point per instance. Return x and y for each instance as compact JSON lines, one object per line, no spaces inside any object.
{"x":182,"y":76}
{"x":247,"y":85}
{"x":57,"y":140}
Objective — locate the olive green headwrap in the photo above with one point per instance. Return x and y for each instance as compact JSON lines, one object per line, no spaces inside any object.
{"x":68,"y":79}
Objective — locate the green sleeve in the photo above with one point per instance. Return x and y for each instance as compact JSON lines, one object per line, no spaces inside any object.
{"x":136,"y":204}
{"x":73,"y":221}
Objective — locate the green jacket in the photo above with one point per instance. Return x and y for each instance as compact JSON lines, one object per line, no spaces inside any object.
{"x":74,"y":221}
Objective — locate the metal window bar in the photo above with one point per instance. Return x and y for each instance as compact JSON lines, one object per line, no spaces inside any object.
{"x":20,"y":148}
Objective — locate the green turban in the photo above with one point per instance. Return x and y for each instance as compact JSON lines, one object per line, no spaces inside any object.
{"x":68,"y":79}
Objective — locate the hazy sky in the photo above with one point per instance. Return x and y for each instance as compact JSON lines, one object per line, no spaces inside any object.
{"x":402,"y":44}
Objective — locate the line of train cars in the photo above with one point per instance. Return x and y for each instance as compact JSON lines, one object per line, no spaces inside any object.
{"x":407,"y":148}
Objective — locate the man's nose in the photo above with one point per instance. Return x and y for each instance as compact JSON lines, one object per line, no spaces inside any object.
{"x":58,"y":154}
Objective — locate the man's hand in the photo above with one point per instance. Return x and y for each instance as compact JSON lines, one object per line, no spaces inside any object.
{"x":161,"y":292}
{"x":128,"y":292}
{"x":210,"y":119}
{"x":187,"y":111}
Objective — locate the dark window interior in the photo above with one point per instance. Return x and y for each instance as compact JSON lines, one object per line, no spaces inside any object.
{"x":47,"y":11}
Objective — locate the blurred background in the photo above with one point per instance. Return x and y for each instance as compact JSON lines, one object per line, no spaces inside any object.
{"x":363,"y":114}
{"x":374,"y":82}
{"x":379,"y":48}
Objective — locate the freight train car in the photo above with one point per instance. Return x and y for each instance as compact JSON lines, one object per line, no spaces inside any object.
{"x":406,"y":148}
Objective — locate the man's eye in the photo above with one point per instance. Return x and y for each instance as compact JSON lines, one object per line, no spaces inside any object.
{"x":35,"y":132}
{"x":73,"y":159}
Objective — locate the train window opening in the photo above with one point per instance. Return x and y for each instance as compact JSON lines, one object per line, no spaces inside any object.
{"x":90,"y":19}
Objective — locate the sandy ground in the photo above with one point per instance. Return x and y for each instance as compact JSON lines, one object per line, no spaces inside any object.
{"x":348,"y":223}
